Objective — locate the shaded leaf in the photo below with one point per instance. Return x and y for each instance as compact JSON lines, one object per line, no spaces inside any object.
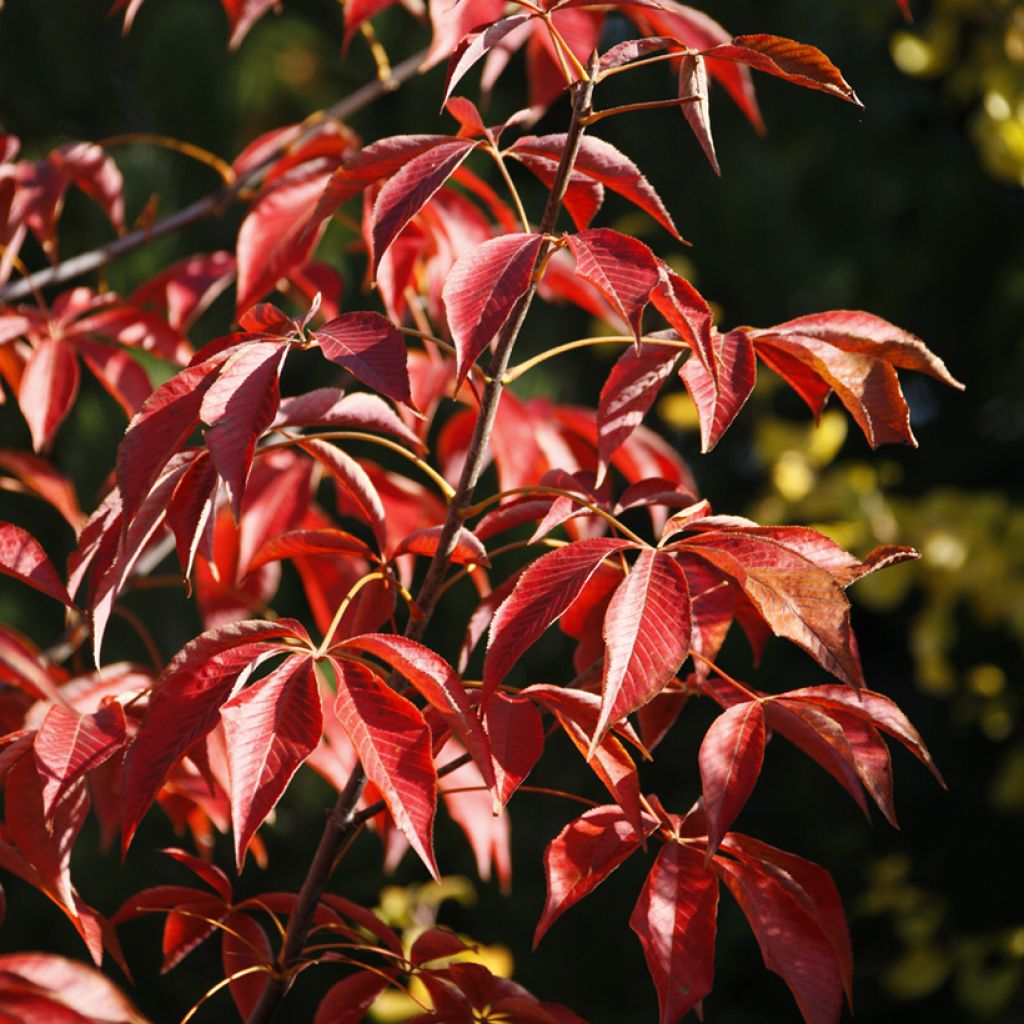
{"x":674,"y":918}
{"x":22,"y":557}
{"x":583,"y":855}
{"x":369,"y":346}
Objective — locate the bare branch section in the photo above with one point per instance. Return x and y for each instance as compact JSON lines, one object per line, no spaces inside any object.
{"x":212,"y":205}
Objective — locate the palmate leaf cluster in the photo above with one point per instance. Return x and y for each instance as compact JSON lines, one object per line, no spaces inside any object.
{"x":369,"y":487}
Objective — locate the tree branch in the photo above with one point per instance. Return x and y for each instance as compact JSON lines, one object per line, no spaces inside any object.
{"x":212,"y":205}
{"x":343,"y":818}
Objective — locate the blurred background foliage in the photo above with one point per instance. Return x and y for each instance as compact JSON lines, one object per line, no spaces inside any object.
{"x":912,"y":210}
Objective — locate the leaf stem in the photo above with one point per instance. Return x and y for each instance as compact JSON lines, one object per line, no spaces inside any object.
{"x":658,"y":58}
{"x":357,"y":435}
{"x":557,"y":492}
{"x":189,"y":149}
{"x":611,"y":339}
{"x":628,"y":108}
{"x":511,"y":185}
{"x":363,"y":581}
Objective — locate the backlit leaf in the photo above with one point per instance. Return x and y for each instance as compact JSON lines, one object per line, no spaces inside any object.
{"x":393,"y":742}
{"x":647,"y":632}
{"x":482,"y":290}
{"x":730,"y":759}
{"x":542,"y":593}
{"x":271,"y":728}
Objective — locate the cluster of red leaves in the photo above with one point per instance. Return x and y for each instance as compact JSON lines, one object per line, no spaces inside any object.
{"x":218,"y":467}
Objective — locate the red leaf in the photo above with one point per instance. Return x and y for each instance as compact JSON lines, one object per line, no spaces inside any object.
{"x":380,"y":159}
{"x":124,"y":379}
{"x":472,"y":808}
{"x":674,"y":919}
{"x":393,"y":742}
{"x":795,"y":943}
{"x":583,"y":195}
{"x":796,"y":598}
{"x":404,"y":195}
{"x":811,"y":886}
{"x":347,"y":1001}
{"x":583,"y":855}
{"x":628,"y":394}
{"x":72,"y":983}
{"x":48,"y":388}
{"x":186,"y":289}
{"x":719,"y":397}
{"x":331,"y":407}
{"x":68,"y":745}
{"x":298,"y":543}
{"x":237,"y":408}
{"x":603,"y":163}
{"x":244,"y":945}
{"x":467,"y":550}
{"x":823,"y":740}
{"x":358,"y":11}
{"x":882,"y":712}
{"x":647,"y":632}
{"x":795,"y":62}
{"x":577,"y":713}
{"x":622,"y":269}
{"x":475,"y":45}
{"x":855,"y":354}
{"x":483,"y":288}
{"x":22,"y":557}
{"x":46,"y":482}
{"x":516,"y":736}
{"x":371,"y":347}
{"x":242,"y":15}
{"x":730,"y":759}
{"x":124,"y":544}
{"x":697,"y":31}
{"x":271,"y":728}
{"x":435,"y":944}
{"x":354,"y":481}
{"x":436,"y":681}
{"x":45,"y":841}
{"x":542,"y":593}
{"x":693,"y":81}
{"x":159,"y":429}
{"x":273,"y":239}
{"x":209,"y":873}
{"x":185,"y":703}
